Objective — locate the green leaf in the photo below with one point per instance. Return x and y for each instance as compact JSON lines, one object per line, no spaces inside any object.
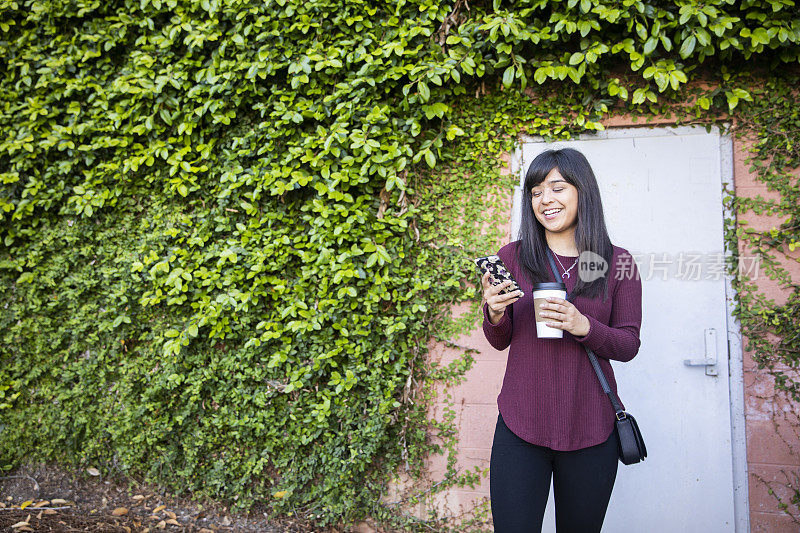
{"x":687,"y":47}
{"x":662,"y":80}
{"x":573,"y":74}
{"x":424,"y":92}
{"x":650,"y":45}
{"x":508,"y":76}
{"x":430,"y":159}
{"x":435,"y":110}
{"x":454,"y":131}
{"x":760,"y":36}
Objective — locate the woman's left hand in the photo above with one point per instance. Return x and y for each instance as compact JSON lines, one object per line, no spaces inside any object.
{"x":567,"y":316}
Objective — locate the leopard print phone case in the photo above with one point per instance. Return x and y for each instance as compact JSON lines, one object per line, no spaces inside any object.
{"x":499,"y":273}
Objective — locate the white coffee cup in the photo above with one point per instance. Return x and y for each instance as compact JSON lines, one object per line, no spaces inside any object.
{"x":542,"y":291}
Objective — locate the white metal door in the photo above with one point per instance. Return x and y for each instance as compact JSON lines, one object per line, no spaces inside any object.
{"x":661,"y":191}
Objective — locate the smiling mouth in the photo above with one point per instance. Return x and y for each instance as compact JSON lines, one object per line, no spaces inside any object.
{"x":548,"y":215}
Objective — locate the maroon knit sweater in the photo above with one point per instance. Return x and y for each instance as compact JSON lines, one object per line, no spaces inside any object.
{"x":551,"y":395}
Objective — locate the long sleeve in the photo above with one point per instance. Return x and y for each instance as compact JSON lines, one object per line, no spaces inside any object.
{"x":619,"y":340}
{"x":499,"y":335}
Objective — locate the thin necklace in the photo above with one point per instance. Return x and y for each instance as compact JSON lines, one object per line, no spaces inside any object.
{"x":565,"y":275}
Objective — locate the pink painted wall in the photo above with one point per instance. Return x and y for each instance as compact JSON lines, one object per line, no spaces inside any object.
{"x":772,"y":423}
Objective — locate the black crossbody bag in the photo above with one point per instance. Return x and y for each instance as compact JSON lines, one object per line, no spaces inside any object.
{"x":631,"y":444}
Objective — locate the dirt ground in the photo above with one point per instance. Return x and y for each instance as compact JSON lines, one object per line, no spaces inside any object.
{"x":46,"y":497}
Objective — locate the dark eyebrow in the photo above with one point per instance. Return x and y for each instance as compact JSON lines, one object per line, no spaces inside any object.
{"x":551,"y":182}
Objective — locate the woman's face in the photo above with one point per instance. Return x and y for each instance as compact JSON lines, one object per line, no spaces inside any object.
{"x":554,"y":194}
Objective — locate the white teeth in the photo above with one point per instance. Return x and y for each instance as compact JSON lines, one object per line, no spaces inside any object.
{"x":551,"y":211}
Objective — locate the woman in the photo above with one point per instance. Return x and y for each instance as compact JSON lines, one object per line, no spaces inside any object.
{"x":554,"y":417}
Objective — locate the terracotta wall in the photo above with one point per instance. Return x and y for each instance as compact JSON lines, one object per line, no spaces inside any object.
{"x":772,"y":423}
{"x":773,"y":447}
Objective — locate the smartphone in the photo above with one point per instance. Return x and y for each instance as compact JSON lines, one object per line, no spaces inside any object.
{"x":499,"y":273}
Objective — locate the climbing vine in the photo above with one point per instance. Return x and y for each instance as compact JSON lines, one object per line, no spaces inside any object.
{"x":772,"y":123}
{"x":229,"y":228}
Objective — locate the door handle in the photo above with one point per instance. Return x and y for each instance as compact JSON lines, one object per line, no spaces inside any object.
{"x":710,"y":361}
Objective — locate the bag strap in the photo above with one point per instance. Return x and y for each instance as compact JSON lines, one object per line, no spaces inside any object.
{"x":621,"y":414}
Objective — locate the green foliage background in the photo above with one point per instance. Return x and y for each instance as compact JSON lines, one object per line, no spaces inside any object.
{"x":230,"y":227}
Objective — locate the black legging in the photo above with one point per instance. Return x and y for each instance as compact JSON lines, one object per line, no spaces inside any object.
{"x":519,"y":483}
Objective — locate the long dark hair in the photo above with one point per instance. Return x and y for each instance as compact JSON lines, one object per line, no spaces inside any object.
{"x":590,"y":231}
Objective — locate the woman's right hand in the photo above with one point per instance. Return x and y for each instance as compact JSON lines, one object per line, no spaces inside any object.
{"x":497,"y":302}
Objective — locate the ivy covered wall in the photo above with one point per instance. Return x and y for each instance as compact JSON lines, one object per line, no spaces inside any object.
{"x":230,"y":227}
